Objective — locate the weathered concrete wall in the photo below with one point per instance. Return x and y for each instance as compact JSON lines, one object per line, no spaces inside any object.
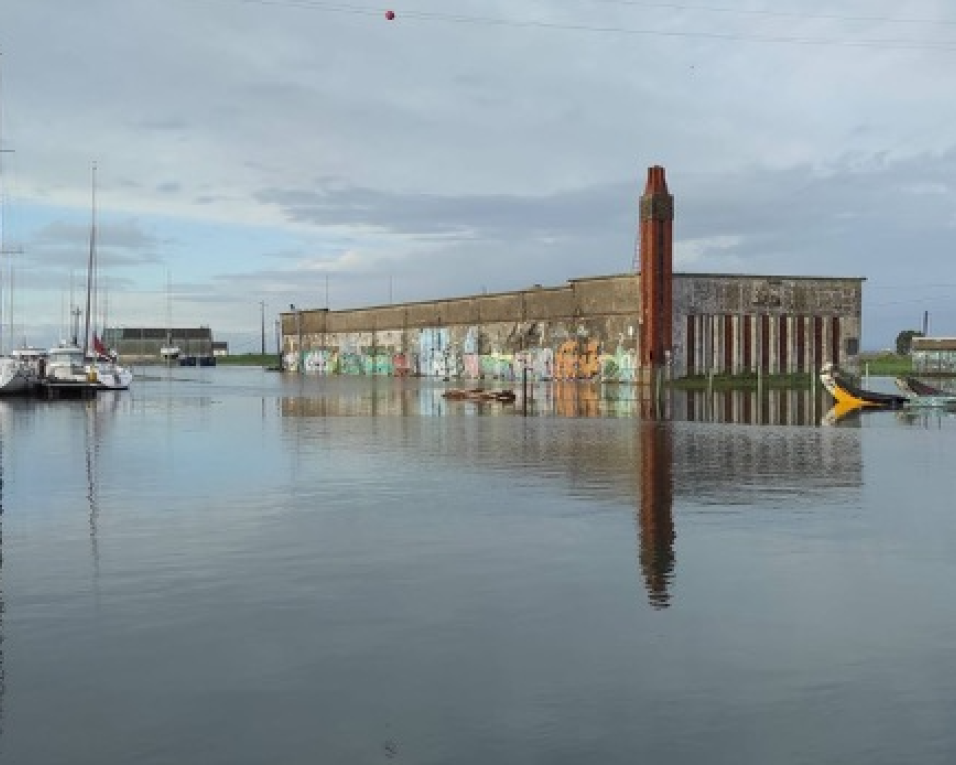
{"x":587,"y":329}
{"x":584,"y":329}
{"x":778,"y":325}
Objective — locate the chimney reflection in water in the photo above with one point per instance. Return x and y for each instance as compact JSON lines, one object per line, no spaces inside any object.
{"x":655,"y":519}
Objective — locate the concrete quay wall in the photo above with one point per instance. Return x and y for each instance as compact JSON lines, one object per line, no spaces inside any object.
{"x":581,"y":330}
{"x":588,"y":329}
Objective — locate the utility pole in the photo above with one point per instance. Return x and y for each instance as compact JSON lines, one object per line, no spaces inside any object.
{"x":262,"y":316}
{"x":279,"y":343}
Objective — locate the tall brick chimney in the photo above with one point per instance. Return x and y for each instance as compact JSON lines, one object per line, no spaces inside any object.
{"x":657,"y":269}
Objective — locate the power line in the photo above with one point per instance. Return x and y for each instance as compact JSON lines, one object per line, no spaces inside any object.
{"x":777,"y":14}
{"x":887,"y":44}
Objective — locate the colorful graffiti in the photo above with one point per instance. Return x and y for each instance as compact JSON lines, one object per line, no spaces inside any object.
{"x":437,"y":354}
{"x":577,"y":360}
{"x":322,"y":362}
{"x":622,"y":366}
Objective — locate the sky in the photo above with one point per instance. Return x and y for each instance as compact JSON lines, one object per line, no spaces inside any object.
{"x":256,"y":154}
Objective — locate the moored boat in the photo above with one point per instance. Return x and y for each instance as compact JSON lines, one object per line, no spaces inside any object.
{"x":65,"y":363}
{"x":845,"y":392}
{"x":109,"y":373}
{"x":911,"y":386}
{"x":480,"y":394}
{"x":14,"y":378}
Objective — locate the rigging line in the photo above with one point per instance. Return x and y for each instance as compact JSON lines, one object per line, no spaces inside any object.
{"x":776,"y":14}
{"x":888,"y":43}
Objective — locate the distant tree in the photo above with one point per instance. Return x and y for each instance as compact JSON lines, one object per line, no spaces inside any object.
{"x":904,"y":341}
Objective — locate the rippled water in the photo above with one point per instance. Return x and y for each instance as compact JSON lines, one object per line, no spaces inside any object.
{"x":236,"y":566}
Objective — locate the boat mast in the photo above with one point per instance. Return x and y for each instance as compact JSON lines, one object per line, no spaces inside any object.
{"x":6,"y":289}
{"x":169,"y":310}
{"x":90,"y":265}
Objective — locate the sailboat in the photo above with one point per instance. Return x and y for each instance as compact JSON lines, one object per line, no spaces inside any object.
{"x":14,"y":374}
{"x":169,"y":352}
{"x":97,"y":366}
{"x":103,"y":366}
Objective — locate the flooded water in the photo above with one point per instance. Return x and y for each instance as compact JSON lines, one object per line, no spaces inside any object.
{"x":237,"y":566}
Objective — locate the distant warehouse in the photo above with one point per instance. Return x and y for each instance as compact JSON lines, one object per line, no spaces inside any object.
{"x":152,"y":343}
{"x":934,"y":355}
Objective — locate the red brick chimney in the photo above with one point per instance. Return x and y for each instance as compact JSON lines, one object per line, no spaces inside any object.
{"x":657,"y":269}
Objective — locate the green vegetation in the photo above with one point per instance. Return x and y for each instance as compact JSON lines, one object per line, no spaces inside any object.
{"x":904,"y":341}
{"x":889,"y":364}
{"x":879,"y":364}
{"x":248,"y":360}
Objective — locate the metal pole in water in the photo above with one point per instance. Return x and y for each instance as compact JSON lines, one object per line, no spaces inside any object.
{"x":524,"y":389}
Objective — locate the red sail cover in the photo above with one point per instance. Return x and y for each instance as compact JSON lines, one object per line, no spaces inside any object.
{"x":99,"y":348}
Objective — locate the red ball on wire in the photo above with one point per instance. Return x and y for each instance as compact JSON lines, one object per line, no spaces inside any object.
{"x":390,"y":15}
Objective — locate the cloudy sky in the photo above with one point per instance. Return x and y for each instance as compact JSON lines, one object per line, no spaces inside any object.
{"x":254,"y":152}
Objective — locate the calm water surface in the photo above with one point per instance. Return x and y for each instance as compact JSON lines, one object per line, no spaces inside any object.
{"x":235,"y":566}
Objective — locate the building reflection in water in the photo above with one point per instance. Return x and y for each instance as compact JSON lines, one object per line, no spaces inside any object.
{"x":783,"y":406}
{"x":655,"y":519}
{"x":650,"y":465}
{"x":406,"y":397}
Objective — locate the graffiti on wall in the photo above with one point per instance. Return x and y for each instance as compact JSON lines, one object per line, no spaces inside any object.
{"x":621,"y":366}
{"x":577,"y":359}
{"x":436,"y":355}
{"x":438,"y":352}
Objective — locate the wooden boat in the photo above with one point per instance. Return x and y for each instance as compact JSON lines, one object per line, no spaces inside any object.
{"x":846,"y":392}
{"x":479,"y":394}
{"x":910,"y":386}
{"x":920,"y":394}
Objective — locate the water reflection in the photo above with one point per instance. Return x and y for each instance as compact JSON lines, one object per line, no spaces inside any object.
{"x":322,"y":397}
{"x":92,"y":445}
{"x":649,"y":464}
{"x":752,"y":407}
{"x":655,"y":520}
{"x":841,"y":415}
{"x":3,"y":444}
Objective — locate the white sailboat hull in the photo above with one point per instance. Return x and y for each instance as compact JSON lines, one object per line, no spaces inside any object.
{"x":13,"y":377}
{"x":112,"y":376}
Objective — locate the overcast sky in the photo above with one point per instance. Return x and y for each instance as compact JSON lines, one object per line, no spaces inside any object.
{"x":285,"y":151}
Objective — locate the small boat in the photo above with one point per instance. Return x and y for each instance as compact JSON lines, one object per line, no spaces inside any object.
{"x":847,"y":393}
{"x":480,"y":394}
{"x":109,"y":373}
{"x":910,"y":386}
{"x":69,"y":365}
{"x":66,"y":363}
{"x":21,"y":375}
{"x":919,"y":394}
{"x":14,"y":376}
